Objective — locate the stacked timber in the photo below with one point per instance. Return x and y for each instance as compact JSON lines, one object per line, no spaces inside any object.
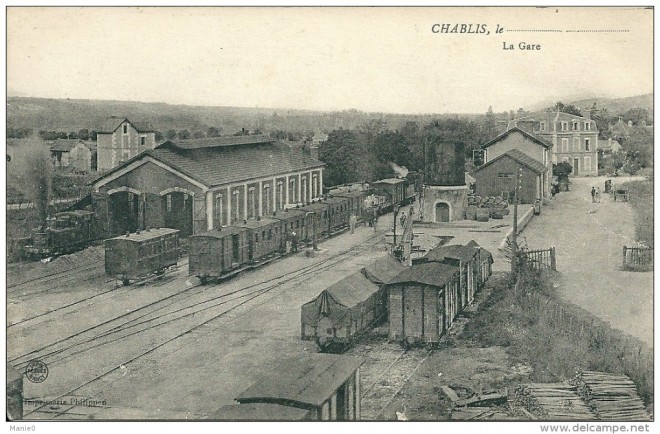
{"x":610,"y":396}
{"x":553,"y":401}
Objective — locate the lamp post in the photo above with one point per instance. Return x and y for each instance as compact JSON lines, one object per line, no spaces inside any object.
{"x":396,"y":212}
{"x":314,"y":245}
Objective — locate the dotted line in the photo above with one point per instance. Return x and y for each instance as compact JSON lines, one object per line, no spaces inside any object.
{"x":597,"y":31}
{"x":537,"y":30}
{"x":569,"y":31}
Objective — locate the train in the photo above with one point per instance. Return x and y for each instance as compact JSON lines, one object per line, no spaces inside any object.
{"x":420,"y":302}
{"x":62,"y":233}
{"x":227,"y":250}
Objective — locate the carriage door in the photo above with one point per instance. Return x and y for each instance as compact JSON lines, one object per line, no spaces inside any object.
{"x":234,"y":246}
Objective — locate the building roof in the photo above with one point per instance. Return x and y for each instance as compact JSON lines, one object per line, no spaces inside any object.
{"x":351,"y":290}
{"x":256,"y":223}
{"x":523,"y":132}
{"x":307,"y":380}
{"x":428,"y":273}
{"x":146,"y":235}
{"x":220,"y":233}
{"x":216,"y":166}
{"x":389,"y":181}
{"x":520,"y":157}
{"x":383,"y":270}
{"x":113,"y":122}
{"x":64,"y":145}
{"x":456,"y":251}
{"x":213,"y":142}
{"x":259,"y":412}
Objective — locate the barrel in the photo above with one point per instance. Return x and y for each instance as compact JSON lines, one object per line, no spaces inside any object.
{"x":483,"y":214}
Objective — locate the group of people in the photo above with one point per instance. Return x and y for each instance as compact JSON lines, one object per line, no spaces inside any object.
{"x":595,"y":195}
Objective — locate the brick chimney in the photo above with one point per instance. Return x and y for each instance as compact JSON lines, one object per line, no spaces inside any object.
{"x":587,"y":114}
{"x":521,"y":113}
{"x":314,"y":151}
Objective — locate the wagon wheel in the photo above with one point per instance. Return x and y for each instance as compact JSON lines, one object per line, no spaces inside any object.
{"x":203,"y":280}
{"x":125,"y":281}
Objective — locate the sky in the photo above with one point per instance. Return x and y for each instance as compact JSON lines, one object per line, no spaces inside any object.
{"x":370,"y":59}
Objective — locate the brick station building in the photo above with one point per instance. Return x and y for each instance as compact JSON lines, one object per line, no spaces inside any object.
{"x":201,"y":184}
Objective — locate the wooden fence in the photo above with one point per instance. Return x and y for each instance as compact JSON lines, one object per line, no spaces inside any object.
{"x":638,"y":258}
{"x":540,"y":259}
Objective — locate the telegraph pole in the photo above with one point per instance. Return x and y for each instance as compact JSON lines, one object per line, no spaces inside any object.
{"x":514,"y":240}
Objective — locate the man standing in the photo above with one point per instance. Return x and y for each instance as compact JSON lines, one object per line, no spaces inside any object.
{"x":294,"y":241}
{"x":593,"y":194}
{"x":352,"y":221}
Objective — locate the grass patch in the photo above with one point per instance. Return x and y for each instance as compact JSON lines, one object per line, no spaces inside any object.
{"x":556,"y":338}
{"x":641,"y":199}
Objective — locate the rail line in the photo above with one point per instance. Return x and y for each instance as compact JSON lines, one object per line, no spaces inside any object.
{"x":321,"y":265}
{"x":56,"y":274}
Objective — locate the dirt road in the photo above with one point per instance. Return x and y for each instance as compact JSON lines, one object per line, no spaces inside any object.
{"x":589,"y":238}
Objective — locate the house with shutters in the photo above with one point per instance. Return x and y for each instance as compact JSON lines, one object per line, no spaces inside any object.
{"x":120,"y":139}
{"x":574,"y":139}
{"x":521,"y":148}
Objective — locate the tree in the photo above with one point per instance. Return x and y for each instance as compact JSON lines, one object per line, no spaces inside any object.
{"x":339,"y":155}
{"x":184,"y":134}
{"x":170,"y":134}
{"x":570,"y":108}
{"x":562,"y":170}
{"x":638,"y":149}
{"x":92,"y":135}
{"x":636,"y":115}
{"x":214,"y":132}
{"x":198,"y":135}
{"x":602,"y":119}
{"x":158,"y":136}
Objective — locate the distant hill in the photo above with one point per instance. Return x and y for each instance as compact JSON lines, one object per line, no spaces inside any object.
{"x":73,"y":115}
{"x":614,"y":106}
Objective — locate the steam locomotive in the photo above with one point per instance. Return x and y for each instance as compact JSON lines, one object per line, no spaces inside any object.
{"x":62,"y":233}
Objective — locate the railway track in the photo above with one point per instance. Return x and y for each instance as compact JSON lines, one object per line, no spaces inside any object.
{"x":386,"y":387}
{"x":172,"y":309}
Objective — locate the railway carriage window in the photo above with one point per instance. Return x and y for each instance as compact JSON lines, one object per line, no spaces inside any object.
{"x":263,"y":235}
{"x":256,"y":238}
{"x":270,"y":234}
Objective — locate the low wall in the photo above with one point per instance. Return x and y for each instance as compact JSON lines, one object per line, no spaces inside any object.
{"x":526,"y":217}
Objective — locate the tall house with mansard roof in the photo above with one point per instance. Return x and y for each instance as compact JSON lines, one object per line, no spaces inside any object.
{"x":574,"y":138}
{"x":120,"y":139}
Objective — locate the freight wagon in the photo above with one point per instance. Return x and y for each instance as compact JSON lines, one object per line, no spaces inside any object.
{"x":423,"y":303}
{"x":327,"y":385}
{"x":137,"y":255}
{"x":217,"y":252}
{"x":344,"y":311}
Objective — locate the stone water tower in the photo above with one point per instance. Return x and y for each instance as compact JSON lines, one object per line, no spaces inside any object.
{"x":444,"y":197}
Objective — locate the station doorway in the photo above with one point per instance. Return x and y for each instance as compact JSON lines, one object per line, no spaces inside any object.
{"x":441,"y":212}
{"x":178,"y":209}
{"x":124,"y":207}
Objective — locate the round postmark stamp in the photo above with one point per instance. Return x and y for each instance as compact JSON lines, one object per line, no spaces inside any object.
{"x":36,"y":371}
